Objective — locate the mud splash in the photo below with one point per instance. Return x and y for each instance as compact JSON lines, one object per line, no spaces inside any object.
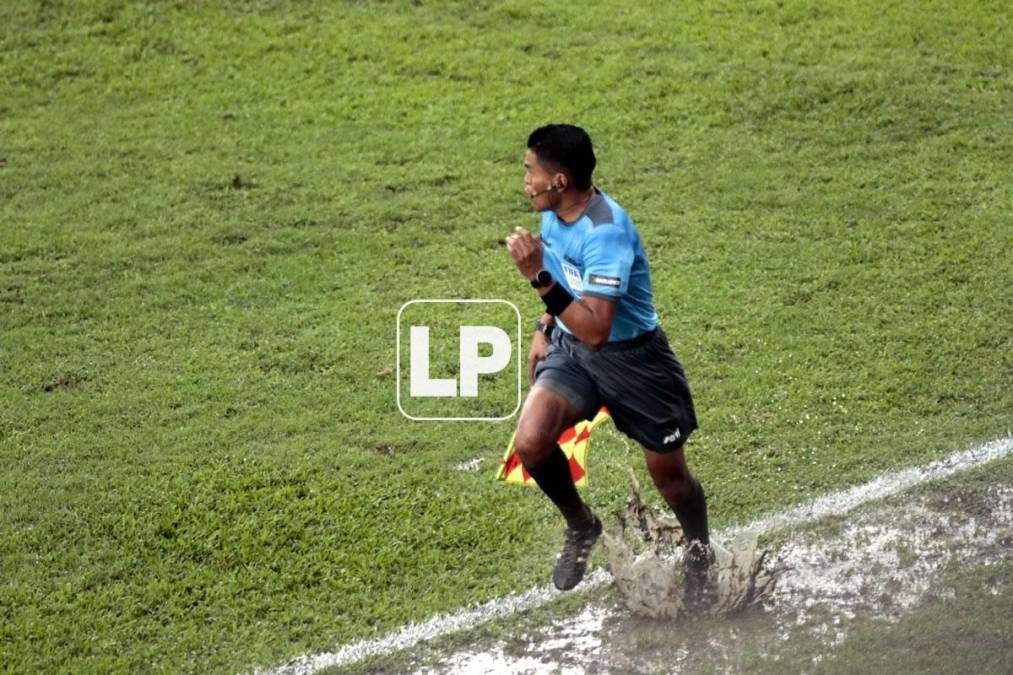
{"x":645,"y":554}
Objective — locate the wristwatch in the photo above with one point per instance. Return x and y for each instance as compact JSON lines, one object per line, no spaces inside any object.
{"x":542,"y":279}
{"x":544,"y":328}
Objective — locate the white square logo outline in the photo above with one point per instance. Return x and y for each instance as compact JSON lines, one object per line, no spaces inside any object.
{"x":397,"y":379}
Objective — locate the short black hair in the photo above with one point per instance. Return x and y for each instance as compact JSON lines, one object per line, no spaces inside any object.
{"x":565,"y":147}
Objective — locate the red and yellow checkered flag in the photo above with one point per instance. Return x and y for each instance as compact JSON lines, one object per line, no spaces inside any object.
{"x":575,"y":442}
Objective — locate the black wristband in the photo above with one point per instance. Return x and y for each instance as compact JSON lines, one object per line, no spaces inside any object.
{"x":557,"y":299}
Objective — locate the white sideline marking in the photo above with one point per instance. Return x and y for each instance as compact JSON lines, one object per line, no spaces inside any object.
{"x":514,"y":603}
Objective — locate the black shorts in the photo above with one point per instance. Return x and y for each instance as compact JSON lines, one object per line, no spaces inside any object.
{"x":640,"y":381}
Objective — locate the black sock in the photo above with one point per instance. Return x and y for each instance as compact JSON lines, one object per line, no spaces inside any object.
{"x":553,"y":476}
{"x":692,"y":514}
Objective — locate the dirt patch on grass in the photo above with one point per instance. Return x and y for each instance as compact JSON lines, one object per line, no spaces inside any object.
{"x":64,"y":381}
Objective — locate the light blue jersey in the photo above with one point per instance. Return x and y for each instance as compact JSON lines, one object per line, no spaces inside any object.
{"x":600,"y":254}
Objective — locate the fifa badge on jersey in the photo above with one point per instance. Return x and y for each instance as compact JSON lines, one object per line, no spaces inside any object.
{"x":573,"y":278}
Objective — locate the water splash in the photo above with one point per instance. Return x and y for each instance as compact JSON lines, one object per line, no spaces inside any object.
{"x":645,"y":554}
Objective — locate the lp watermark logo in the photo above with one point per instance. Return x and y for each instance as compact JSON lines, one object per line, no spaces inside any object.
{"x":458,"y":360}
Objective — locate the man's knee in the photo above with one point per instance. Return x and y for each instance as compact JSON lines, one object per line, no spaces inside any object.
{"x":534,"y":445}
{"x":671,"y":476}
{"x":674,"y":487}
{"x":543,"y":418}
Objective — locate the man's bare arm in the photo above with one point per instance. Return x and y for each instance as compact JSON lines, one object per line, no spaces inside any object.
{"x":589,"y":319}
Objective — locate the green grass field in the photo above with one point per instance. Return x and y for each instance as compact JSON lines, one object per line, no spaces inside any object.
{"x":210,"y":214}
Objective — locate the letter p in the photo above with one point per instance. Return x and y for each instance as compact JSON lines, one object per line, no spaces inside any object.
{"x":472,"y":364}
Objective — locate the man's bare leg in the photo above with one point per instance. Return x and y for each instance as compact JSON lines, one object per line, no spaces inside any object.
{"x":682,"y":492}
{"x":685,"y":496}
{"x":544,"y":416}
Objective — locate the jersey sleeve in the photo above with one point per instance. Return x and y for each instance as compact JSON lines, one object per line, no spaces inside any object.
{"x":608,"y":259}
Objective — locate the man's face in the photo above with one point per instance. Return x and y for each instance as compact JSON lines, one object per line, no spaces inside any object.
{"x":538,"y":183}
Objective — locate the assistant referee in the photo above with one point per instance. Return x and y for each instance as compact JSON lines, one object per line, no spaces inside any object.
{"x":599,"y":343}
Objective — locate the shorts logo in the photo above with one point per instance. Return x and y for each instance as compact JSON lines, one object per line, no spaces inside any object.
{"x":672,"y":437}
{"x":604,"y":281}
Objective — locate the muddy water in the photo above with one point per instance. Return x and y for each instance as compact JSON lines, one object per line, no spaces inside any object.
{"x":645,"y":553}
{"x":818,"y":585}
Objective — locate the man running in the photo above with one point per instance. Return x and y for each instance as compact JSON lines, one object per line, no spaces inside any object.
{"x":598,"y":343}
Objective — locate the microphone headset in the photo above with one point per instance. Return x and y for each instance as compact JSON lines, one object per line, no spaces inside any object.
{"x":554,"y":186}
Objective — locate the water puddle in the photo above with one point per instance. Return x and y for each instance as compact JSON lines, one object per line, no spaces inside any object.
{"x":819,"y":584}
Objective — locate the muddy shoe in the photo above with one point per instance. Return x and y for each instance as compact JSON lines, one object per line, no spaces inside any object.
{"x":698,"y":563}
{"x":573,"y":559}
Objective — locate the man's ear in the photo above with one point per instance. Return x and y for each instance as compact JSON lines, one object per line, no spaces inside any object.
{"x":559,"y":182}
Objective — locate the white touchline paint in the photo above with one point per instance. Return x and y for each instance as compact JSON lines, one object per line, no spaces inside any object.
{"x":832,"y":504}
{"x":878,"y":488}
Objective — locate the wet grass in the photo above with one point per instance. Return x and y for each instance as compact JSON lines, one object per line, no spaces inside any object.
{"x":962,"y":625}
{"x":210,"y":214}
{"x":968,"y":632}
{"x":965,"y":628}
